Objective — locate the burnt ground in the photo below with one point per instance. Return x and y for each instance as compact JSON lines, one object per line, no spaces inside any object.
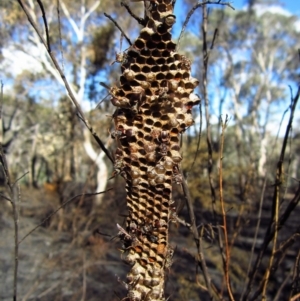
{"x":65,"y":259}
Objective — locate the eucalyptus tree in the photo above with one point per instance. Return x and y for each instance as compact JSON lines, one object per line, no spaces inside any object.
{"x":257,"y":51}
{"x":84,"y":43}
{"x":253,"y":58}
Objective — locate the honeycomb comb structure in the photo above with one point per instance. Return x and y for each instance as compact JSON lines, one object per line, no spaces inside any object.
{"x":154,"y":100}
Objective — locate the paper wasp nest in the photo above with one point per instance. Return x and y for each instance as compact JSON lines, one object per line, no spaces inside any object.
{"x":154,"y":101}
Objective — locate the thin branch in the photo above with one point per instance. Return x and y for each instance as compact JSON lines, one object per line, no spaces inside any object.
{"x":118,"y":26}
{"x":283,"y":284}
{"x":5,"y":197}
{"x":60,"y":36}
{"x":205,"y":58}
{"x":199,"y":136}
{"x":197,"y":239}
{"x":294,"y":298}
{"x":200,"y":104}
{"x":195,"y":7}
{"x":83,"y":297}
{"x":21,"y":177}
{"x":256,"y":231}
{"x":63,"y":77}
{"x":1,"y":107}
{"x":226,"y":258}
{"x":261,"y":204}
{"x":45,"y":23}
{"x":214,"y":39}
{"x":295,"y":275}
{"x":55,"y":211}
{"x":276,"y":217}
{"x":273,"y":227}
{"x":138,"y":19}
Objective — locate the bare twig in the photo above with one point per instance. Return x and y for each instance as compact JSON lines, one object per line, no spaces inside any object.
{"x":275,"y":225}
{"x":195,"y":7}
{"x":296,"y":275}
{"x":1,"y":106}
{"x":199,"y":136}
{"x":283,"y":284}
{"x":55,"y":211}
{"x":226,"y":258}
{"x":205,"y":59}
{"x":45,"y":23}
{"x":83,"y":297}
{"x":197,"y":239}
{"x":138,"y":19}
{"x":256,"y":231}
{"x":294,"y":298}
{"x":60,"y":37}
{"x":276,"y":217}
{"x":118,"y":26}
{"x":63,"y":77}
{"x":261,"y":204}
{"x":200,"y":104}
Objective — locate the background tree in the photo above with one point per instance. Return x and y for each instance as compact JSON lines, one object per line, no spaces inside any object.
{"x":83,"y":65}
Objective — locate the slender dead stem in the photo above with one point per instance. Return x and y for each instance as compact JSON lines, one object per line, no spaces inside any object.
{"x":273,"y":227}
{"x":197,"y":239}
{"x":200,"y":104}
{"x":63,"y":77}
{"x":60,"y":36}
{"x":199,"y":135}
{"x":276,"y":216}
{"x":226,"y":259}
{"x":45,"y":23}
{"x":119,"y":27}
{"x":260,"y":207}
{"x":294,"y":298}
{"x":138,"y":19}
{"x":283,"y":284}
{"x":83,"y":276}
{"x":195,"y":7}
{"x":296,"y":275}
{"x":205,"y":59}
{"x":256,"y":232}
{"x":63,"y":204}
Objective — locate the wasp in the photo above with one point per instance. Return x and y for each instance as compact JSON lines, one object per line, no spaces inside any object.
{"x":121,"y":58}
{"x":165,"y":141}
{"x":115,"y":99}
{"x":121,"y":133}
{"x":118,"y":133}
{"x":169,"y":257}
{"x":124,"y":234}
{"x":119,"y":164}
{"x":185,"y":63}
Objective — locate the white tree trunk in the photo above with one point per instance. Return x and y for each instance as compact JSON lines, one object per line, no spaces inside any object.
{"x":98,"y":158}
